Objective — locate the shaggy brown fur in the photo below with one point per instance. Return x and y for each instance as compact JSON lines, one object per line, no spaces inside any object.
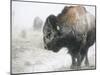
{"x":70,"y":14}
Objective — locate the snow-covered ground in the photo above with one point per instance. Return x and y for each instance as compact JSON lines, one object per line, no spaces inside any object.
{"x":28,"y":55}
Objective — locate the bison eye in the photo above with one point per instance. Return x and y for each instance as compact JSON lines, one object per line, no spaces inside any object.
{"x":48,"y":35}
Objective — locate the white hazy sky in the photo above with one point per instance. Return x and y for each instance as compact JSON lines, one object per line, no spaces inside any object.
{"x":23,"y":13}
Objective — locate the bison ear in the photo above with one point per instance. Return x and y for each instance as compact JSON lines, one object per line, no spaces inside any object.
{"x":52,"y":19}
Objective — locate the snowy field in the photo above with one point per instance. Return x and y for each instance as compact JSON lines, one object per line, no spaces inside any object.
{"x":28,"y":54}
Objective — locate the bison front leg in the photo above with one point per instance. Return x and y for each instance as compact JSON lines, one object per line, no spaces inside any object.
{"x":84,"y":55}
{"x":79,"y":57}
{"x":74,"y":63}
{"x":86,"y":60}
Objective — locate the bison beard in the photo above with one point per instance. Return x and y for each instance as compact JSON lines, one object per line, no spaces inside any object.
{"x":72,"y":33}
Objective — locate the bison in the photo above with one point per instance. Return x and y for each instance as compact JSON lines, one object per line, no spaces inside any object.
{"x":73,"y":28}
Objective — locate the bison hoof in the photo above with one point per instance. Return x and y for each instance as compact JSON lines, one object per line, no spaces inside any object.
{"x":75,"y":67}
